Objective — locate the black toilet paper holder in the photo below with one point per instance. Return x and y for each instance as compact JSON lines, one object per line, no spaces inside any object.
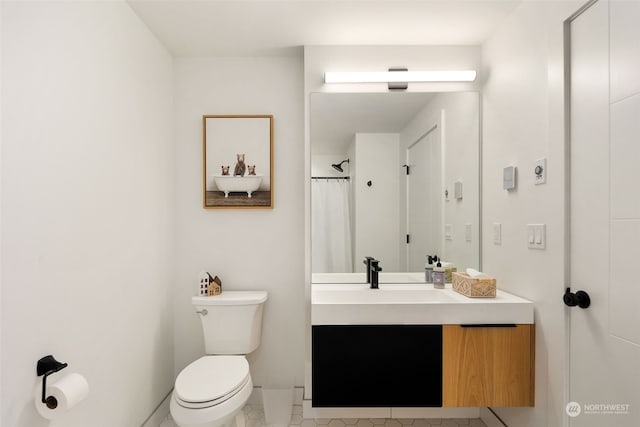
{"x":46,"y":366}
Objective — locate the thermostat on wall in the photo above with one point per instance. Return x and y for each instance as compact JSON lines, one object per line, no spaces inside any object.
{"x":509,"y":178}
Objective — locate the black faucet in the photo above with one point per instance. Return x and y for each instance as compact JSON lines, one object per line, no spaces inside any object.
{"x":374,"y":273}
{"x":367,"y":262}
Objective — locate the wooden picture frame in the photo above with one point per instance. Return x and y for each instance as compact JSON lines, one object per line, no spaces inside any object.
{"x":237,"y":161}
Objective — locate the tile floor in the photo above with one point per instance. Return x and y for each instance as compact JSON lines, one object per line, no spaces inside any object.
{"x":255,"y":418}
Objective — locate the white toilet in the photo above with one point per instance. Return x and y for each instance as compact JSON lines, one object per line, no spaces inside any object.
{"x":211,"y":391}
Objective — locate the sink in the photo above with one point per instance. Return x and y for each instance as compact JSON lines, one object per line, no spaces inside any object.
{"x":386,"y":294}
{"x":410,"y":303}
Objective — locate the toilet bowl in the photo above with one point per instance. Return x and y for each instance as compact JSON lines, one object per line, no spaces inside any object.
{"x":212,"y":390}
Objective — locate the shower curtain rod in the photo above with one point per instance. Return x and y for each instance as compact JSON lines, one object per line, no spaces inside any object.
{"x":330,"y":177}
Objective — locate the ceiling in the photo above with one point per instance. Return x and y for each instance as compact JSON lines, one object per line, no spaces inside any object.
{"x":267,"y":27}
{"x":336,"y":117}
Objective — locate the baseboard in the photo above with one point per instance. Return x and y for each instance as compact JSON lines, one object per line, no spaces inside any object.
{"x":160,"y":413}
{"x":435,"y":412}
{"x":311,"y":412}
{"x":490,"y":418}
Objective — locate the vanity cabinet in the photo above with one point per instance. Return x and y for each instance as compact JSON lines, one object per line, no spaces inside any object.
{"x":473,"y":365}
{"x":488,"y":365}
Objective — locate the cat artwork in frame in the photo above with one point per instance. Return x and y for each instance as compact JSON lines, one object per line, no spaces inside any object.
{"x":237,"y":152}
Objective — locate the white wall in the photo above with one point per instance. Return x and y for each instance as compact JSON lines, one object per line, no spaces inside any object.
{"x":321,"y":164}
{"x":460,"y":133}
{"x":246,"y":248}
{"x":1,"y":192}
{"x":86,"y":207}
{"x":522,"y":122}
{"x":376,"y":221}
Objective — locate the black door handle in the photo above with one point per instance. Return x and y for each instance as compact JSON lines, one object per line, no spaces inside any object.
{"x":580,"y":298}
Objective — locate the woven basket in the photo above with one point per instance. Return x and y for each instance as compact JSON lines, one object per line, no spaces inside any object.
{"x":474,"y":288}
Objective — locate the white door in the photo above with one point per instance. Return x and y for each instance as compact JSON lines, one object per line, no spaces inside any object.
{"x":604,"y":354}
{"x":424,"y":199}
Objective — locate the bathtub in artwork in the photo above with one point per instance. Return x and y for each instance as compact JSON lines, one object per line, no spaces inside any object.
{"x":245,"y":184}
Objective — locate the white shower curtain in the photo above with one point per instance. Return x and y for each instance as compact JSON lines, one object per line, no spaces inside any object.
{"x":330,"y":226}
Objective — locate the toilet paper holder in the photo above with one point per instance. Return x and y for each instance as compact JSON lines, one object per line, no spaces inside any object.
{"x":46,"y":366}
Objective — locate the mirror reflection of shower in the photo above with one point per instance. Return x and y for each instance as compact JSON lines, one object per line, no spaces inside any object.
{"x":338,"y":166}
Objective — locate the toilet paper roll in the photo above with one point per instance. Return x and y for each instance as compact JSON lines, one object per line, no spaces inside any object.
{"x":69,"y":390}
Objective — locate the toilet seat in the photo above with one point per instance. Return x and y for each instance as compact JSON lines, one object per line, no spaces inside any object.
{"x":211,"y":380}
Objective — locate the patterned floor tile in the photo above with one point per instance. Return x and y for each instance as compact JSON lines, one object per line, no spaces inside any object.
{"x":255,"y":418}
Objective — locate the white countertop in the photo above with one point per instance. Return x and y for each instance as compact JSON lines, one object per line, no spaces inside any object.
{"x":357,"y":304}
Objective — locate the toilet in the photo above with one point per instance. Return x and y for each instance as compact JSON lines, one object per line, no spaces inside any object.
{"x":212,"y":390}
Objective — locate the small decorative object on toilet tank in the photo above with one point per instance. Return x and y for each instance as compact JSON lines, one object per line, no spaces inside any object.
{"x":210,"y":286}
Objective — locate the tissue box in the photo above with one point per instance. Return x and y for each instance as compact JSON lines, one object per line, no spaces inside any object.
{"x":474,"y":288}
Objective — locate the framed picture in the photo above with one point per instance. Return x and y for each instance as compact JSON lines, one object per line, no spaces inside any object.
{"x":237,"y":155}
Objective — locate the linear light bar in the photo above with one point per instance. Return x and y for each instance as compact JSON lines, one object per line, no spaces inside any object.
{"x":400,"y":76}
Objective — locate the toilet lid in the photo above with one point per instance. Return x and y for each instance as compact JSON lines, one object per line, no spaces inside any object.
{"x":211,"y":377}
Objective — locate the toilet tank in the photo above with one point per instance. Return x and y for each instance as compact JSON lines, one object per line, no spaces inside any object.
{"x":233,"y":321}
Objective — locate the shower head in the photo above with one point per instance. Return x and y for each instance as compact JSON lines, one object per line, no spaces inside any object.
{"x":338,"y":166}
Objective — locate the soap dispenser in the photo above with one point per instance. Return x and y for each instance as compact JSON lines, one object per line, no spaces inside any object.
{"x":438,"y":276}
{"x":428,"y":268}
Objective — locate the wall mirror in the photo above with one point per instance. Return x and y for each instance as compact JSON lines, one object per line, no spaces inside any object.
{"x":395,"y":176}
{"x":237,"y":152}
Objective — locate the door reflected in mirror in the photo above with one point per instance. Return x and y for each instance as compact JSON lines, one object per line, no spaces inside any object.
{"x":409,"y":185}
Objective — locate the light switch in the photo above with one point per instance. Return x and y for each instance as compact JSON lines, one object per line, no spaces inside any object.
{"x":497,"y":233}
{"x":536,"y":236}
{"x":468,"y":231}
{"x":457,"y":190}
{"x":448,"y":232}
{"x":509,"y":178}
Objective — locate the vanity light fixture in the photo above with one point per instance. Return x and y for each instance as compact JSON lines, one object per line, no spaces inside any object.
{"x":400,"y":76}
